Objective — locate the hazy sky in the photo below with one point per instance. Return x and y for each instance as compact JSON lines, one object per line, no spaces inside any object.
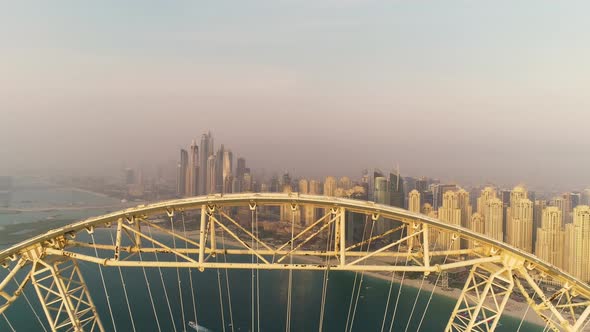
{"x":462,"y":90}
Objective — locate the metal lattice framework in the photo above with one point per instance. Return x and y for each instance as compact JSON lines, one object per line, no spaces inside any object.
{"x":426,"y":245}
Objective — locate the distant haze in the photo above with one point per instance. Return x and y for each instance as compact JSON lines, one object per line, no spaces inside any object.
{"x":464,"y":91}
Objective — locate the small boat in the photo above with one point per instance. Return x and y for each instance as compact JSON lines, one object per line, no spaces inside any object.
{"x":198,"y":327}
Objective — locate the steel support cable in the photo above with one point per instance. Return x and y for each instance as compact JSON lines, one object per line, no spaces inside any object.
{"x":147,"y":282}
{"x":221,"y":307}
{"x":9,"y":324}
{"x":551,"y":317}
{"x":526,"y":312}
{"x":124,"y":288}
{"x":162,"y":280}
{"x":257,"y":272}
{"x":190,"y":272}
{"x":325,"y":281}
{"x":399,"y":292}
{"x":435,"y":284}
{"x":252,"y":284}
{"x":178,"y":275}
{"x":290,"y":290}
{"x":31,"y":306}
{"x":391,"y":284}
{"x":231,"y":315}
{"x":360,"y":288}
{"x":419,"y":290}
{"x":356,"y":276}
{"x":106,"y":293}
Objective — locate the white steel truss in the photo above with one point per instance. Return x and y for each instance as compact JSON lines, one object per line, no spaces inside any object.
{"x":64,"y":296}
{"x":495,"y":268}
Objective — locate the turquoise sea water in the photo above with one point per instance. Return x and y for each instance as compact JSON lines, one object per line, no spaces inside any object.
{"x":306,"y":300}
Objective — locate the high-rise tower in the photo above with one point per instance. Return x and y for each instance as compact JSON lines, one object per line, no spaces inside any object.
{"x":493,"y":219}
{"x":450,"y":213}
{"x":550,"y":237}
{"x":578,"y":243}
{"x":193,"y":170}
{"x":206,"y":152}
{"x":182,"y":173}
{"x":414,"y":201}
{"x":227,"y":170}
{"x":519,"y":232}
{"x":211,"y":174}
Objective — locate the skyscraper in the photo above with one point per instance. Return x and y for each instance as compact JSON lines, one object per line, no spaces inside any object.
{"x":330,"y":186}
{"x":578,"y":243}
{"x":227,"y":170}
{"x":550,"y":237}
{"x":414,"y":201}
{"x":206,"y":152}
{"x":477,"y":225}
{"x":520,"y":220}
{"x":314,"y":187}
{"x":182,"y":172}
{"x":193,"y":170}
{"x":396,"y":190}
{"x":463,"y":201}
{"x":449,"y":213}
{"x":309,"y":211}
{"x":241,"y":168}
{"x":413,"y":206}
{"x":487,"y":194}
{"x":303,"y":186}
{"x":438,"y":191}
{"x":538,"y":207}
{"x":493,"y":219}
{"x":219,"y":179}
{"x":381,"y":196}
{"x":211,"y":174}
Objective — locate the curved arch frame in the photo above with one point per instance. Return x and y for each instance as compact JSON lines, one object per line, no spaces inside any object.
{"x":500,"y":265}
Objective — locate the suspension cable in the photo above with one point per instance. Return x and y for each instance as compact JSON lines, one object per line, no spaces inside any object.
{"x":399,"y":292}
{"x":290,"y":290}
{"x":162,"y":279}
{"x":252,"y":273}
{"x":190,"y":272}
{"x":31,"y":306}
{"x":147,"y":282}
{"x":325,"y":281}
{"x":221,"y":307}
{"x":10,"y":325}
{"x":453,"y":239}
{"x":551,"y":317}
{"x":106,"y":293}
{"x":391,"y":285}
{"x":231,"y":315}
{"x":526,"y":311}
{"x":360,"y":288}
{"x":419,"y":290}
{"x":257,"y":272}
{"x":178,"y":275}
{"x":356,"y":276}
{"x":124,"y":287}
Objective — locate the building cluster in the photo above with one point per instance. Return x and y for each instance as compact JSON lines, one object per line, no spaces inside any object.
{"x":203,"y":171}
{"x":557,"y":231}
